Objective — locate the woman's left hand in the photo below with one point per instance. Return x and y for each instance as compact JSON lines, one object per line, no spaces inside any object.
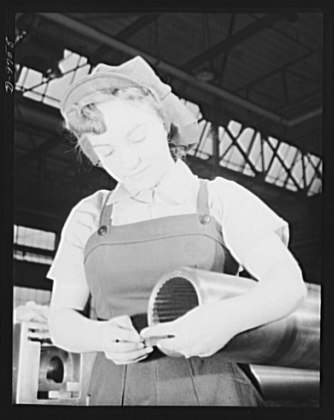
{"x":200,"y":332}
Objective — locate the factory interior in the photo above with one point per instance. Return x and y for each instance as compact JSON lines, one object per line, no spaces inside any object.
{"x":255,"y":82}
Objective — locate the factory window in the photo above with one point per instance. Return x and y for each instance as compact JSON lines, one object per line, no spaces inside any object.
{"x":35,"y":85}
{"x":34,"y":245}
{"x":241,"y":148}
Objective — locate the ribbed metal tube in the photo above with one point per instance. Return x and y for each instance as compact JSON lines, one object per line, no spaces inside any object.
{"x":292,"y":342}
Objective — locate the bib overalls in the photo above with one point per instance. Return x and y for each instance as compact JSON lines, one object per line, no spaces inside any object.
{"x":122,"y":265}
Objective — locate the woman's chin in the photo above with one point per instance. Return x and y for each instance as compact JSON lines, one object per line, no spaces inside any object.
{"x":140,"y":183}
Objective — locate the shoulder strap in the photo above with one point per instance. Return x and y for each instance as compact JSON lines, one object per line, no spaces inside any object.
{"x":106,"y":212}
{"x":203,"y":198}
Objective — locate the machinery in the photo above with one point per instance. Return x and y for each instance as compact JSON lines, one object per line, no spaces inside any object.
{"x":284,"y":355}
{"x":293,"y":341}
{"x":44,"y":373}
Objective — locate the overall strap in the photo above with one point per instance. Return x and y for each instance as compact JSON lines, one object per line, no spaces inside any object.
{"x":203,"y":198}
{"x":106,"y":212}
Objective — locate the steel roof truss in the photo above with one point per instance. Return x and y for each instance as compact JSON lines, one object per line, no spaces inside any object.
{"x":228,"y":43}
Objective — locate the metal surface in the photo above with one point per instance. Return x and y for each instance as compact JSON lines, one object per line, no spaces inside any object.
{"x":293,"y":341}
{"x":45,"y":374}
{"x":281,"y":383}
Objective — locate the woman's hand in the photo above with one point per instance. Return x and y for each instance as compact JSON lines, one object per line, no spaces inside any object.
{"x":120,"y":342}
{"x":209,"y":327}
{"x":201,"y":332}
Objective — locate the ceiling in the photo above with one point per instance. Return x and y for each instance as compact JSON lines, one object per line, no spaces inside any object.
{"x":261,"y":69}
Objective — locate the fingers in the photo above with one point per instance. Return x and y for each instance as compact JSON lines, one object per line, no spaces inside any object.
{"x":120,"y":334}
{"x":163,"y":329}
{"x":125,"y":347}
{"x":129,"y":357}
{"x":169,"y":339}
{"x":122,"y":343}
{"x":168,"y":343}
{"x":122,"y":329}
{"x":137,"y":360}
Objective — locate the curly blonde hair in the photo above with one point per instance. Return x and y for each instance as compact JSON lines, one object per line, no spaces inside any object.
{"x":84,"y":119}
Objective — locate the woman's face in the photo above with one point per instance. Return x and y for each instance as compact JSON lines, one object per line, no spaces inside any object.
{"x":134,"y":149}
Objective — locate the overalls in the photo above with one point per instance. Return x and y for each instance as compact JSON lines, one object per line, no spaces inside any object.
{"x":122,"y":264}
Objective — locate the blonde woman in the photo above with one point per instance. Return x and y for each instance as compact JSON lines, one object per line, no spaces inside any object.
{"x":115,"y":245}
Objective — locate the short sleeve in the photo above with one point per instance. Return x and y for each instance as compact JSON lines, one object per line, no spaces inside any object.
{"x":245,"y":219}
{"x":82,"y":222}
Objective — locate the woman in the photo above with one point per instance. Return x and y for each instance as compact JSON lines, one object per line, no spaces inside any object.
{"x":116,"y":245}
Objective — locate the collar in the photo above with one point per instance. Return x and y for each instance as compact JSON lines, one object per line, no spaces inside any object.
{"x":175,"y":186}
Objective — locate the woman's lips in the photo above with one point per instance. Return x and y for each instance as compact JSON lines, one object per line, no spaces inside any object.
{"x":133,"y":174}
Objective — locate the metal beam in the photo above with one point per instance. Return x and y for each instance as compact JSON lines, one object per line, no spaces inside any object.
{"x":53,"y":141}
{"x":287,"y":170}
{"x":228,"y":43}
{"x":291,"y":168}
{"x":201,"y":136}
{"x":241,"y":150}
{"x":308,"y":116}
{"x":316,"y":168}
{"x":129,"y":31}
{"x":314,"y":177}
{"x":215,"y":148}
{"x":285,"y":67}
{"x":249,"y":148}
{"x":257,"y":185}
{"x":275,"y":150}
{"x":306,"y":77}
{"x":137,"y":25}
{"x":315,"y":97}
{"x":98,"y":36}
{"x":285,"y":86}
{"x":52,"y":121}
{"x":227,"y":52}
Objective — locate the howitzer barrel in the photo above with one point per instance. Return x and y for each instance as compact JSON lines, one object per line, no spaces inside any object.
{"x":293,"y":341}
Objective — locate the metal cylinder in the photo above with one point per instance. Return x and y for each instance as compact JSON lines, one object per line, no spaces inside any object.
{"x":282,"y":383}
{"x":293,"y":341}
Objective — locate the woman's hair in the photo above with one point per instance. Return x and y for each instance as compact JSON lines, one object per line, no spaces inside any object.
{"x":81,"y":120}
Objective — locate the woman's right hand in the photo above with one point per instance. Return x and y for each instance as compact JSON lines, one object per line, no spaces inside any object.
{"x":120,"y":341}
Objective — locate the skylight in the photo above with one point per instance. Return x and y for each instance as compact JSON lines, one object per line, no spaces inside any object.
{"x":242,"y":149}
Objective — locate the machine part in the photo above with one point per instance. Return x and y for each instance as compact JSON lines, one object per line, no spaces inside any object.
{"x":293,"y":341}
{"x":281,"y":383}
{"x":43,"y":373}
{"x":56,"y":368}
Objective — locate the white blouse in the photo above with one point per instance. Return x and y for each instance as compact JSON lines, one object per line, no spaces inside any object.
{"x":244,"y":218}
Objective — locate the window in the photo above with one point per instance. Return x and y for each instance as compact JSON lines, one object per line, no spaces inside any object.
{"x":34,"y":245}
{"x":242,"y":149}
